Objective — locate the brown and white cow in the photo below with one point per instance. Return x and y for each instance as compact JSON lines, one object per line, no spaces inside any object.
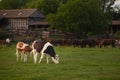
{"x":107,"y":42}
{"x":5,"y":41}
{"x":45,"y":48}
{"x":23,"y":48}
{"x":117,"y":42}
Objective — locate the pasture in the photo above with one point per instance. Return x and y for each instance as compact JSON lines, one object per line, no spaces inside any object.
{"x":75,"y":64}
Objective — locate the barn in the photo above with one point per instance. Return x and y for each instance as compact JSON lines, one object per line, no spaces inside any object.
{"x":114,"y":26}
{"x":24,"y":21}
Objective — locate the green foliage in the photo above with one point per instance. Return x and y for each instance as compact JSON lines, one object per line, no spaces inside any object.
{"x":12,"y":4}
{"x":45,"y":6}
{"x":114,"y":15}
{"x":106,"y":5}
{"x":4,"y":35}
{"x":79,"y":16}
{"x":117,"y":35}
{"x":6,"y":4}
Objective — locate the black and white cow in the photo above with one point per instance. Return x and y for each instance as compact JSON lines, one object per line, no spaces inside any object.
{"x":45,"y":48}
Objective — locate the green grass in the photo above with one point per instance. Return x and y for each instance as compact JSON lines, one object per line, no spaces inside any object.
{"x":75,"y":64}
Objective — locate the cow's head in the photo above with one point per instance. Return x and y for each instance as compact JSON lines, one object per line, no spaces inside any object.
{"x":56,"y":60}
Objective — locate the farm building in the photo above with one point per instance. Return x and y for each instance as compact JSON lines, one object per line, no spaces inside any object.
{"x":114,"y":26}
{"x":21,"y":21}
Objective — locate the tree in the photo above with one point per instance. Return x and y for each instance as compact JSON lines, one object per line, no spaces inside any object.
{"x":79,"y":16}
{"x":45,"y":6}
{"x":106,"y":5}
{"x":12,"y":4}
{"x":8,"y":4}
{"x":115,"y":12}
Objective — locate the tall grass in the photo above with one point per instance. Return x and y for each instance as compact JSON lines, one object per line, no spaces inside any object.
{"x":75,"y":64}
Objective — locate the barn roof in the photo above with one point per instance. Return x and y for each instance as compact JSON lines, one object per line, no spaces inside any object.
{"x":19,"y":13}
{"x":115,"y":22}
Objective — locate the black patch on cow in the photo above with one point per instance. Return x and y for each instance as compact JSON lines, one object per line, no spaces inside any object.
{"x":50,"y":51}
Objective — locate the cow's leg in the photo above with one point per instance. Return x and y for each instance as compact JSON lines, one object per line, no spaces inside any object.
{"x":22,"y":56}
{"x":47,"y":59}
{"x":25,"y":57}
{"x":35,"y":56}
{"x":42,"y":55}
{"x":17,"y":54}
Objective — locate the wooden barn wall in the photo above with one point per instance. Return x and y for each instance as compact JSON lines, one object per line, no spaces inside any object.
{"x":18,"y":23}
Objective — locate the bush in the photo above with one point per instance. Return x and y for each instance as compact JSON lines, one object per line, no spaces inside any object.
{"x":5,"y":35}
{"x":117,"y":35}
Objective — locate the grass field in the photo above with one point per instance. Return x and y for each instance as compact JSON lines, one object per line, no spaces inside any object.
{"x":75,"y":64}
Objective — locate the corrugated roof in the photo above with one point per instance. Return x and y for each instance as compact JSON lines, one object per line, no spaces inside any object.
{"x":17,"y":13}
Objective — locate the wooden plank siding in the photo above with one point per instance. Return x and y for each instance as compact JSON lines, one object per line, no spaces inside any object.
{"x":18,"y":23}
{"x":114,"y":26}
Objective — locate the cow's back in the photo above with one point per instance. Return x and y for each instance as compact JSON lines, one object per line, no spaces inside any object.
{"x":38,"y":45}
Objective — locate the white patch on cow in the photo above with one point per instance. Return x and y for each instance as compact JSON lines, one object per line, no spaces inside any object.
{"x":57,"y":57}
{"x":45,"y":46}
{"x":25,"y":57}
{"x":35,"y":54}
{"x":47,"y":58}
{"x":8,"y":40}
{"x":33,"y":44}
{"x":24,"y":45}
{"x":56,"y":61}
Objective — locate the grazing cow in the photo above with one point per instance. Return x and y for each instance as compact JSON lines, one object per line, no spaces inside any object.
{"x":23,"y":48}
{"x":107,"y":42}
{"x":89,"y":42}
{"x":45,"y":48}
{"x":5,"y":42}
{"x":117,"y":43}
{"x":76,"y":43}
{"x":97,"y":42}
